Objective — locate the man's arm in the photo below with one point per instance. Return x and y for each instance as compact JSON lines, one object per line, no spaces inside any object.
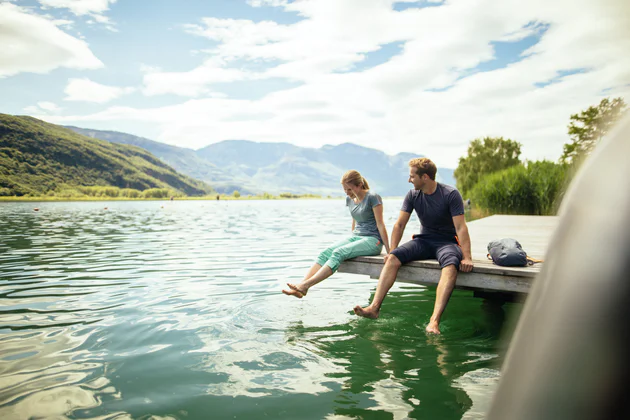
{"x":399,"y":229}
{"x":464,"y":241}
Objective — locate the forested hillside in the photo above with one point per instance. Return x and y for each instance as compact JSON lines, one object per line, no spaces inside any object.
{"x":37,"y":158}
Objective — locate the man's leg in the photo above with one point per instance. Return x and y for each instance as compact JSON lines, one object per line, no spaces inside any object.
{"x":443,"y":294}
{"x":416,"y":249}
{"x":385,"y":282}
{"x":449,"y":256}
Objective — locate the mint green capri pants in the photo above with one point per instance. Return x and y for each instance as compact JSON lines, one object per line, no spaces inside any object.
{"x":354,"y":246}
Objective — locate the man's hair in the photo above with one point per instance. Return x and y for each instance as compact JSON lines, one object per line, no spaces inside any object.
{"x":424,"y":166}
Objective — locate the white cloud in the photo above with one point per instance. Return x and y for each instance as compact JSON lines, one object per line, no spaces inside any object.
{"x":191,"y":83}
{"x":88,"y":91}
{"x":398,"y":106}
{"x":43,"y":108}
{"x":92,"y":8}
{"x":80,"y":7}
{"x":146,"y":69}
{"x":48,"y":106}
{"x":31,"y":43}
{"x":272,"y":3}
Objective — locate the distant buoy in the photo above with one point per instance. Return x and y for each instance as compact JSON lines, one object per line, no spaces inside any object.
{"x":36,"y":209}
{"x":105,"y":208}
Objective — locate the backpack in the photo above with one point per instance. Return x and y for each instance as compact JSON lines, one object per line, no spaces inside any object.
{"x":508,"y":252}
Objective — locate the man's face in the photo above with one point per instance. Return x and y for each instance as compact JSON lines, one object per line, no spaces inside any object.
{"x":417,"y":180}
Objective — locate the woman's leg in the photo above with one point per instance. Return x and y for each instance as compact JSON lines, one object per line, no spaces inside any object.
{"x":354,"y":247}
{"x":358,"y":247}
{"x":322,"y":274}
{"x":362,"y":246}
{"x":299,"y":290}
{"x":314,"y":269}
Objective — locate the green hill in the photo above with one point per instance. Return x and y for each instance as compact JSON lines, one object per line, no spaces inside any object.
{"x":37,"y":157}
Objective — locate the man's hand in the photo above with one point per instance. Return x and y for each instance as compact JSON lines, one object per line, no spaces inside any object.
{"x":466,"y":265}
{"x":386,"y":257}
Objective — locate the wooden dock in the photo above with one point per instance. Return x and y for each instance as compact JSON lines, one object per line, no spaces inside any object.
{"x":533,"y":232}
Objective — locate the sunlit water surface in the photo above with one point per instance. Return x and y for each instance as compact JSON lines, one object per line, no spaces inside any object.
{"x":174,"y":310}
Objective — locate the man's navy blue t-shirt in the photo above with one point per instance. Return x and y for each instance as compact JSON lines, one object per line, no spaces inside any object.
{"x":435,"y":211}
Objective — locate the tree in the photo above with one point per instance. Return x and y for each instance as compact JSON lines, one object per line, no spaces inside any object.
{"x":485,"y":156}
{"x":236,"y":194}
{"x":531,"y":188}
{"x":588,"y":127}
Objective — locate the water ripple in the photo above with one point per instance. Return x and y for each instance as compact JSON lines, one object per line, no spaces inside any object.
{"x":173,"y":310}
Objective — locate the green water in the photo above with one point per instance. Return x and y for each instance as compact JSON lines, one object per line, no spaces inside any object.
{"x":173,"y":310}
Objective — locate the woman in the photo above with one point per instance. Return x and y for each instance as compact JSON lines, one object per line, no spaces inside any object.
{"x":368,"y":234}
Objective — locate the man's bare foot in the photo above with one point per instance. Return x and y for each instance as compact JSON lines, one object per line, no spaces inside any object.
{"x":294,"y":291}
{"x":433,"y":328}
{"x":367,"y":312}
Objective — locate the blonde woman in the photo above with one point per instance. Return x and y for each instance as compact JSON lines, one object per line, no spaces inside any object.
{"x":368,"y":234}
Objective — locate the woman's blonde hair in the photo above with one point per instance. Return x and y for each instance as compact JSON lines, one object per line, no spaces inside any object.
{"x":354,"y":177}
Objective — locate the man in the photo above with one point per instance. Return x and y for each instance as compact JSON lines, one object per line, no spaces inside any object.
{"x":444,"y":236}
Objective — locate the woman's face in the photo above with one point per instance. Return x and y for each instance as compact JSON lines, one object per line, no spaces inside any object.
{"x":351,"y":189}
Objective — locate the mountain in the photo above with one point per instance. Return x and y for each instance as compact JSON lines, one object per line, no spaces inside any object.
{"x":284,"y":167}
{"x":185,"y":161}
{"x":252,"y":167}
{"x":37,"y":157}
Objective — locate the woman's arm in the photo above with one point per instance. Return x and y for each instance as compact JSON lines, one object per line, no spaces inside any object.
{"x":353,"y":222}
{"x":380,"y":224}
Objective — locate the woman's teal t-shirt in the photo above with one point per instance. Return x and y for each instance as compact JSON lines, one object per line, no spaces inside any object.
{"x":363,"y":214}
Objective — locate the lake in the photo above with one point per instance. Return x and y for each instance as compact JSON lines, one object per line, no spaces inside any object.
{"x":165,"y":310}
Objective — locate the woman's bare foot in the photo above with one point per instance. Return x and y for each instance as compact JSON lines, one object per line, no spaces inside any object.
{"x":294,"y":291}
{"x":433,"y":328}
{"x":367,"y":312}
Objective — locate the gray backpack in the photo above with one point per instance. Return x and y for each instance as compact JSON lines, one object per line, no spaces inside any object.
{"x":508,"y":252}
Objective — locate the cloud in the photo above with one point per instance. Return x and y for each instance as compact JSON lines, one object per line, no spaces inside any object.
{"x":272,"y":3}
{"x":191,"y":83}
{"x":80,"y":7}
{"x":431,"y":98}
{"x":43,"y":108}
{"x":92,"y":8}
{"x":88,"y":91}
{"x":31,"y":43}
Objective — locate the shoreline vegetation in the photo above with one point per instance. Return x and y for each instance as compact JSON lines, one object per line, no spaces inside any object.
{"x":110,"y":193}
{"x":125,"y":194}
{"x":222,"y":197}
{"x":204,"y":198}
{"x":495,"y":179}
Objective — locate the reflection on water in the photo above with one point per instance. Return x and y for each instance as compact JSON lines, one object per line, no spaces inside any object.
{"x":174,"y":310}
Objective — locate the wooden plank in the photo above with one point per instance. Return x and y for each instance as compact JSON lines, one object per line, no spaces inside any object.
{"x":533,"y":232}
{"x":431,"y":275}
{"x":484,"y":266}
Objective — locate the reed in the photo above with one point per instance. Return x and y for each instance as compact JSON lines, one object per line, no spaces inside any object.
{"x":535,"y":188}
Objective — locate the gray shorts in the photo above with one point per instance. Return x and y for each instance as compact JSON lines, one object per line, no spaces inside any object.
{"x":425,"y":247}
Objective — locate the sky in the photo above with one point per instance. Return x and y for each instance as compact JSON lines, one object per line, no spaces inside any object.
{"x":423,"y":77}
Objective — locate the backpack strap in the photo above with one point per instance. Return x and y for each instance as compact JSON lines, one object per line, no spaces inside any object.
{"x":532,"y":261}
